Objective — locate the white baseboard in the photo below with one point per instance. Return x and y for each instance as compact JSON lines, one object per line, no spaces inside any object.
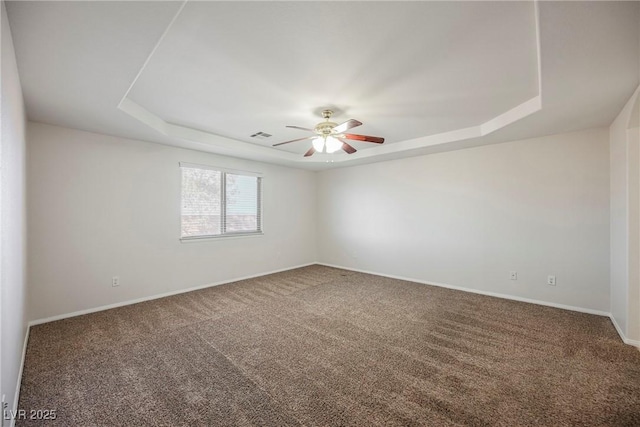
{"x":477,"y":291}
{"x":615,"y":325}
{"x":16,"y":396}
{"x":180,"y":291}
{"x":626,"y":340}
{"x":157,"y":296}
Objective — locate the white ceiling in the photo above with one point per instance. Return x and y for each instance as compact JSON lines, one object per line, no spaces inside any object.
{"x":427,"y":76}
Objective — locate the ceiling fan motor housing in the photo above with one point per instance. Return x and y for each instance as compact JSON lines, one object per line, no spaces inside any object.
{"x":324,"y":128}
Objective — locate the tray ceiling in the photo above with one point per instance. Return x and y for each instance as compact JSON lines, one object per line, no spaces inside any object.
{"x":428,"y":76}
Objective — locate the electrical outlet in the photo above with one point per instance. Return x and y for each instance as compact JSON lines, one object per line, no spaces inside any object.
{"x":551,"y":280}
{"x":115,"y":281}
{"x":514,"y":275}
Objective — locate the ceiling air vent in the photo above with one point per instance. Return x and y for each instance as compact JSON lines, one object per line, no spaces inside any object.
{"x":261,"y":135}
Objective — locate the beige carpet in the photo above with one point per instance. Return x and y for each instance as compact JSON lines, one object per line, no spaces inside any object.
{"x":320,"y":346}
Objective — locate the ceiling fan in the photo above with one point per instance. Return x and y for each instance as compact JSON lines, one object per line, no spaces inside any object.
{"x":330,"y":137}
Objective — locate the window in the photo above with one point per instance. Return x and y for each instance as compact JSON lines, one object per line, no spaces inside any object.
{"x":217,"y":202}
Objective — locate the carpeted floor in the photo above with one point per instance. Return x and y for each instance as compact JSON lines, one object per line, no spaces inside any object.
{"x":319,"y":346}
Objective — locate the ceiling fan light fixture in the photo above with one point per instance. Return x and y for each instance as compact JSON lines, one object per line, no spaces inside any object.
{"x":318,"y":144}
{"x":333,"y":145}
{"x":330,"y":137}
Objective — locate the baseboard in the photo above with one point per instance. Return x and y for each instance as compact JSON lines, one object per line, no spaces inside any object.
{"x":16,"y":397}
{"x":477,"y":291}
{"x":626,"y":340}
{"x":618,"y":328}
{"x":157,"y":296}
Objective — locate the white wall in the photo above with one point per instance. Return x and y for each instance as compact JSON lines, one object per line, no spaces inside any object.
{"x":467,"y":218}
{"x":102,"y":206}
{"x":12,"y":220}
{"x":624,"y":136}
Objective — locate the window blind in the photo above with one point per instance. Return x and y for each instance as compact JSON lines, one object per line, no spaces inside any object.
{"x":217,"y":203}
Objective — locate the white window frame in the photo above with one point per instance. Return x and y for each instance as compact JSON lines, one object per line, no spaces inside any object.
{"x":223,"y":204}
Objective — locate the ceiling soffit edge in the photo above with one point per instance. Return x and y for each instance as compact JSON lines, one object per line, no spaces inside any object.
{"x":223,"y":145}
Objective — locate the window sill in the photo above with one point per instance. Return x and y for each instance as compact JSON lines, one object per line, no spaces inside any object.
{"x":221,"y":237}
